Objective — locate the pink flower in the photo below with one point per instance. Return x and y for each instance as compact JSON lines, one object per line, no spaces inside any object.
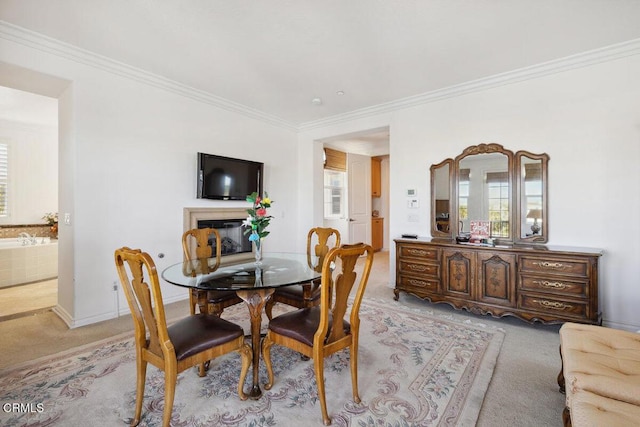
{"x":261,"y":212}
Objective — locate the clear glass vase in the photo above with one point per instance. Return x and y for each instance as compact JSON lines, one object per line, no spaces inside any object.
{"x":257,"y":250}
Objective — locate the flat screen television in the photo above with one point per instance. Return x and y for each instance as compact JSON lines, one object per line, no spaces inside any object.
{"x":225,"y":178}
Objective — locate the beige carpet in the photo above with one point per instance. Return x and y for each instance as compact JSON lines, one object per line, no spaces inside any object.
{"x":24,"y":300}
{"x":523,"y":391}
{"x":414,"y":369}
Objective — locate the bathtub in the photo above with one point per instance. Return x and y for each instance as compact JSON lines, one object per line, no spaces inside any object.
{"x":25,"y":264}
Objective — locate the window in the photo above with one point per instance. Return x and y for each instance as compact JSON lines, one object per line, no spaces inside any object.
{"x":463,"y":194}
{"x":533,"y":192}
{"x":498,"y":191}
{"x":334,"y":189}
{"x":4,"y":180}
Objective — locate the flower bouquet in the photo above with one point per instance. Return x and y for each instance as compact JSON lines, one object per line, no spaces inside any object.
{"x":257,"y":221}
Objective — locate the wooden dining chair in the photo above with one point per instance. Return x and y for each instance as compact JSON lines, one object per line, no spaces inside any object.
{"x":319,"y":241}
{"x":195,"y":245}
{"x":320,"y":331}
{"x":188,"y":342}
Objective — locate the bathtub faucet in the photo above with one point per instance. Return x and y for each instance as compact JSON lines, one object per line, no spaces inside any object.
{"x":25,"y":239}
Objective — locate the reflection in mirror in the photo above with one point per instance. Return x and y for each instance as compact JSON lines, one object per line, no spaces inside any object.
{"x":533,"y":221}
{"x":484,"y":193}
{"x":441,"y":198}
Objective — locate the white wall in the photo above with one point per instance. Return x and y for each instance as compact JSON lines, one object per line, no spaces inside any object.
{"x":128,"y":168}
{"x":586,"y":119}
{"x":127,"y":159}
{"x":33,"y":156}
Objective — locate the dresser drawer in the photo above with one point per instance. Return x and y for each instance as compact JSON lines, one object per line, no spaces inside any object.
{"x":550,"y":265}
{"x":553,"y":306}
{"x":418,"y":284}
{"x":419,"y":252}
{"x":419,"y":268}
{"x":554,"y":284}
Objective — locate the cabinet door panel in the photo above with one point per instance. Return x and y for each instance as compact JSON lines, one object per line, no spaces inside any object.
{"x":458,"y":272}
{"x":497,"y":279}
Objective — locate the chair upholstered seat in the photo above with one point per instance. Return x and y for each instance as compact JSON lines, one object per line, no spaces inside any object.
{"x":197,"y":333}
{"x":302,"y":324}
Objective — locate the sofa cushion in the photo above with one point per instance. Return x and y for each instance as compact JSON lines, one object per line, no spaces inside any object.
{"x":602,"y":361}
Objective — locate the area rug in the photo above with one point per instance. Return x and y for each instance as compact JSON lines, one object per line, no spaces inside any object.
{"x":415,"y":369}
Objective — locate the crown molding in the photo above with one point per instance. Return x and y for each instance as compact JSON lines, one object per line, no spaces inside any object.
{"x":61,"y":49}
{"x":584,"y":59}
{"x":56,"y":47}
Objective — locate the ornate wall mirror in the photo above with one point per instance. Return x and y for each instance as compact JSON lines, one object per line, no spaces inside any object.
{"x":489,"y":183}
{"x":532,"y":188}
{"x":441,"y":181}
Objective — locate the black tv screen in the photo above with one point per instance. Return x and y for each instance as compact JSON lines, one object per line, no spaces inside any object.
{"x":225,"y":178}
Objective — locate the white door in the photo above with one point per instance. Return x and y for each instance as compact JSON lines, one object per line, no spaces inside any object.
{"x":359,"y":196}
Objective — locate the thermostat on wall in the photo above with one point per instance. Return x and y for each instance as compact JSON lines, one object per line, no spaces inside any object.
{"x":411,"y":192}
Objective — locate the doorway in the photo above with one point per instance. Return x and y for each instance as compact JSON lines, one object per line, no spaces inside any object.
{"x":361,"y":204}
{"x":29,"y":132}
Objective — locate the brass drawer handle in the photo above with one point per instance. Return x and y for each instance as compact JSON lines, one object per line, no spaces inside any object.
{"x":419,"y":252}
{"x":553,"y":304}
{"x":415,"y":282}
{"x":552,"y":285}
{"x":547,"y":264}
{"x":417,"y":267}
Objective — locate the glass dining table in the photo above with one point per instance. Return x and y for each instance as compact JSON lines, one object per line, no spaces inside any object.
{"x":253,"y":283}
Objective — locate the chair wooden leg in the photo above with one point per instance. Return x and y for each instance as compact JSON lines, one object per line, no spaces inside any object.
{"x":193,"y":301}
{"x":203,"y":368}
{"x":268,"y":308}
{"x":141,"y":376}
{"x":353,"y":354}
{"x":566,"y":417}
{"x":561,"y":382}
{"x":266,"y":356}
{"x":170,"y":379}
{"x":247,"y":355}
{"x":319,"y":368}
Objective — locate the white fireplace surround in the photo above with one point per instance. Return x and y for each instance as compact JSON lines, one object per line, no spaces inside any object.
{"x":191,"y":216}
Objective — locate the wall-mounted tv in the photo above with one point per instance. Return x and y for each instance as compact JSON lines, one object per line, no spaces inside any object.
{"x":225,"y":178}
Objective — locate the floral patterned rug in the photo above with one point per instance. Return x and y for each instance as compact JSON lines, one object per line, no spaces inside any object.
{"x":414,"y":369}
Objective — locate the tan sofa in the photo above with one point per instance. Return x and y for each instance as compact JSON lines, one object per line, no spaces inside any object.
{"x":600,"y":375}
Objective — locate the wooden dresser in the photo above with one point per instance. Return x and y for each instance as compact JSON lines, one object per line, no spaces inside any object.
{"x":550,"y":284}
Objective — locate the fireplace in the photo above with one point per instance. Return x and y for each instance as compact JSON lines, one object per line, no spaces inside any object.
{"x":228,"y":221}
{"x":232,"y":237}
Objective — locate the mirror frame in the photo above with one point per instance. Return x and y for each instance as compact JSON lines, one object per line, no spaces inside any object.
{"x":434,"y":222}
{"x":516,"y":188}
{"x":543,"y":237}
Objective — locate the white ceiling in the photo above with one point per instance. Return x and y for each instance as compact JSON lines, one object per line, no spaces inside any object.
{"x":275,"y":56}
